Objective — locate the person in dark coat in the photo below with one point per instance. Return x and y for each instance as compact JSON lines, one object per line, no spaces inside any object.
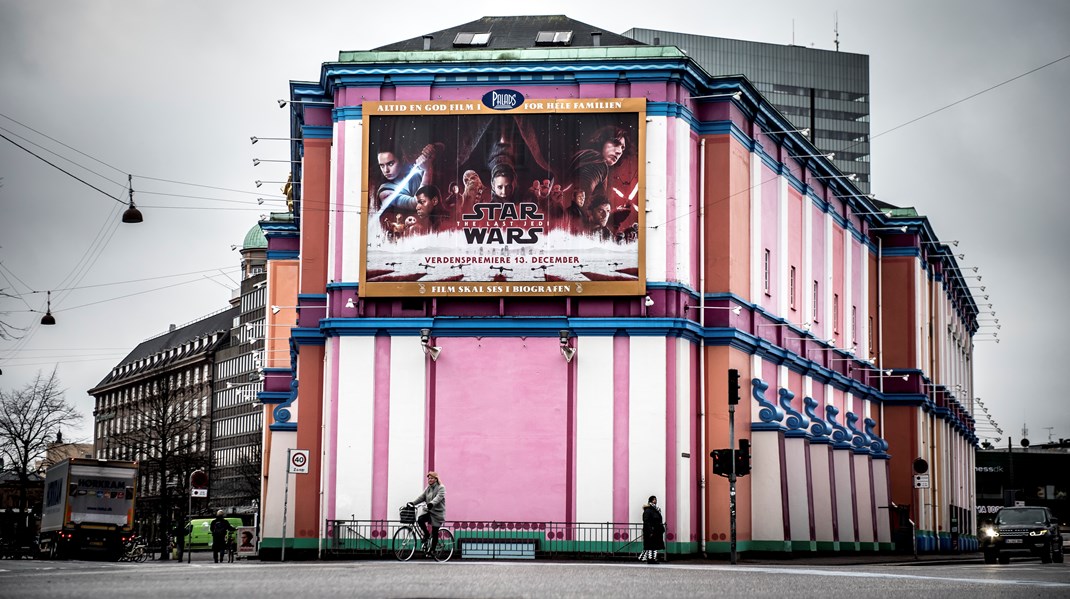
{"x":219,"y":528}
{"x":653,"y":531}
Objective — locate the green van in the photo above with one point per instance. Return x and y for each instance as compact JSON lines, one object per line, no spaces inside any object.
{"x":201,"y":537}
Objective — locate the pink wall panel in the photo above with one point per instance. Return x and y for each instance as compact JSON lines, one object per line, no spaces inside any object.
{"x":838,"y":284}
{"x":817,"y":258}
{"x":769,"y":241}
{"x":500,"y":429}
{"x":794,"y":251}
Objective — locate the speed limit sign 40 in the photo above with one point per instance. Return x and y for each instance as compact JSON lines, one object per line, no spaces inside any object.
{"x":298,"y":462}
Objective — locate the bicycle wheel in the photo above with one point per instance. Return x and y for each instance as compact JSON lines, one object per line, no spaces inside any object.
{"x":444,"y":547}
{"x":140,"y":555}
{"x":404,"y":543}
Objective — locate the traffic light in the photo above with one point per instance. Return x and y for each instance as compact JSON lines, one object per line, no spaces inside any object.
{"x":743,"y":458}
{"x":733,"y":386}
{"x":722,"y":461}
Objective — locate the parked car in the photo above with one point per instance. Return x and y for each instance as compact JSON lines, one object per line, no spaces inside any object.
{"x":1022,"y":531}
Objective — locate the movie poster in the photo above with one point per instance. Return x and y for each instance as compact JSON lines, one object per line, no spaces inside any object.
{"x":508,"y":196}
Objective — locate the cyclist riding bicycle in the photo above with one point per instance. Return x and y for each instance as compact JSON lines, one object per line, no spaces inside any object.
{"x":435,"y":498}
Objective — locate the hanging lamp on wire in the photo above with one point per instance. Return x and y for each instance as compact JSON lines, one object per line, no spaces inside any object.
{"x":132,"y":214}
{"x":48,"y":319}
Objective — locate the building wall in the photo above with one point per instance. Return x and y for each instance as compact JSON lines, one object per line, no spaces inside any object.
{"x":520,"y":434}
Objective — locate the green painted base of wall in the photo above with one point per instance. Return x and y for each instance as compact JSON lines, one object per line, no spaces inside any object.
{"x":804,"y":545}
{"x":828,"y":545}
{"x":885,"y":547}
{"x":850,"y":546}
{"x":301,"y":543}
{"x":867,"y":546}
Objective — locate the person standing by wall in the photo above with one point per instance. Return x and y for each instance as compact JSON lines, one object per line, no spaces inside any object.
{"x":653,"y":531}
{"x":219,"y":528}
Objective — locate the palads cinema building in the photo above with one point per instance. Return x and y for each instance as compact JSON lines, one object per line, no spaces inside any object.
{"x":526,"y":254}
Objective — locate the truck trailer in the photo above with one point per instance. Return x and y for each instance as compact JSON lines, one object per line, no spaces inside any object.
{"x":88,"y":508}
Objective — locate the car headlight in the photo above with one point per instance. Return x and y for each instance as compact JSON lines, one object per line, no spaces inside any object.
{"x":1038,"y":533}
{"x":991,"y":532}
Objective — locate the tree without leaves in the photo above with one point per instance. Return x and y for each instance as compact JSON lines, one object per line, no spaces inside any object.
{"x":8,"y":330}
{"x":29,"y":419}
{"x":166,"y":432}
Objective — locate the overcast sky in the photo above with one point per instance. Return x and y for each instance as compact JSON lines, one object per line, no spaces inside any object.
{"x":172,"y":91}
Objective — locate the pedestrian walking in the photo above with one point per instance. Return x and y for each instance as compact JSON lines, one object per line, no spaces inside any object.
{"x":219,"y":528}
{"x":653,"y":531}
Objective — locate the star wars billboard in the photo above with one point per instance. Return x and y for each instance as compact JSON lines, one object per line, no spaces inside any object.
{"x":508,"y":196}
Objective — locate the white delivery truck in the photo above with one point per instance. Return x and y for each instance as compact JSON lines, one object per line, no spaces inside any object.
{"x":88,"y":508}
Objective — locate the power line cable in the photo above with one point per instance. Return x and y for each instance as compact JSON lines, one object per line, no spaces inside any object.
{"x":60,"y":169}
{"x":63,"y":144}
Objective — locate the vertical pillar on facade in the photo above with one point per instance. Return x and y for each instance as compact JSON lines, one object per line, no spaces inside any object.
{"x":882,"y":498}
{"x":769,"y":508}
{"x":843,"y":473}
{"x":822,"y":478}
{"x":865,"y":505}
{"x":800,"y":498}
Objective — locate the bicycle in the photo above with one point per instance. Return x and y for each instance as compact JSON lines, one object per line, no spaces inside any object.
{"x":134,"y":551}
{"x":409,"y":538}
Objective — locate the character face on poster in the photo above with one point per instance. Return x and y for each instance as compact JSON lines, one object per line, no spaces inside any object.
{"x":543,"y":198}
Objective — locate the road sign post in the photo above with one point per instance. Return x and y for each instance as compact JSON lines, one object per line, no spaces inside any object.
{"x":296,"y":463}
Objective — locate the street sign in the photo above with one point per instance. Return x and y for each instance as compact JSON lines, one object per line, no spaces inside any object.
{"x":921,"y":481}
{"x":298,"y":461}
{"x":198,"y":492}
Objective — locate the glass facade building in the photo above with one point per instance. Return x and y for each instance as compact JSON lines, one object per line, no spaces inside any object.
{"x":823,"y":90}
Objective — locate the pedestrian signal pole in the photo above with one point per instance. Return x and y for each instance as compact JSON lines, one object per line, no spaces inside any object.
{"x":733,"y":399}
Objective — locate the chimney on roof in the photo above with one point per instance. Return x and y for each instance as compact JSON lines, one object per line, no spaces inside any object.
{"x":172,"y":328}
{"x":427,"y":41}
{"x":657,"y":41}
{"x":596,"y":38}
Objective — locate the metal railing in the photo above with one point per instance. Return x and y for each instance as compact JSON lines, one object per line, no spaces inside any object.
{"x":372,"y":538}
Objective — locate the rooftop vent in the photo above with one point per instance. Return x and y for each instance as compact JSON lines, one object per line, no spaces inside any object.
{"x":553,"y":38}
{"x":467,"y":38}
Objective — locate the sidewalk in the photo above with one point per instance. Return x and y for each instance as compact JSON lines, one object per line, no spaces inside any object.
{"x":876,"y":559}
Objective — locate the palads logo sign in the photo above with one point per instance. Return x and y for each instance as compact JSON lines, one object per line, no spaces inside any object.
{"x":503,"y":99}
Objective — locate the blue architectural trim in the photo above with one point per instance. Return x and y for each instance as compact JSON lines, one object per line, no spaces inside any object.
{"x":794,"y":421}
{"x":311,"y":297}
{"x":768,"y":412}
{"x":818,"y":427}
{"x":283,"y":254}
{"x":317,"y":132}
{"x":283,"y":426}
{"x":272,"y":397}
{"x":351,"y":286}
{"x":859,"y":440}
{"x":841,"y":439}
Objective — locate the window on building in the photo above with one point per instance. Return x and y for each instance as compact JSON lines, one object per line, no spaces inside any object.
{"x":766,"y":274}
{"x":853,"y":331}
{"x":835,"y":313}
{"x":471,"y":39}
{"x":870,"y":336}
{"x":813,"y":316}
{"x":553,"y":38}
{"x":791,"y":288}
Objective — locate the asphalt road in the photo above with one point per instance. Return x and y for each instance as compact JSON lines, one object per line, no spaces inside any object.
{"x":305,"y":580}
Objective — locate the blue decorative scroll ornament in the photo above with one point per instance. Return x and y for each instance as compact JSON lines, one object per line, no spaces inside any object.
{"x":769,"y":412}
{"x":795,"y":420}
{"x":858,"y":438}
{"x":876,"y":444}
{"x":818,"y":427}
{"x":282,"y":411}
{"x":840,"y":436}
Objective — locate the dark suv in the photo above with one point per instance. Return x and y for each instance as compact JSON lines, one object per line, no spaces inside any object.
{"x":1022,"y":530}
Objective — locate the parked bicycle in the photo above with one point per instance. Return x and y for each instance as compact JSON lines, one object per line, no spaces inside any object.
{"x":135,"y":550}
{"x":409,"y":538}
